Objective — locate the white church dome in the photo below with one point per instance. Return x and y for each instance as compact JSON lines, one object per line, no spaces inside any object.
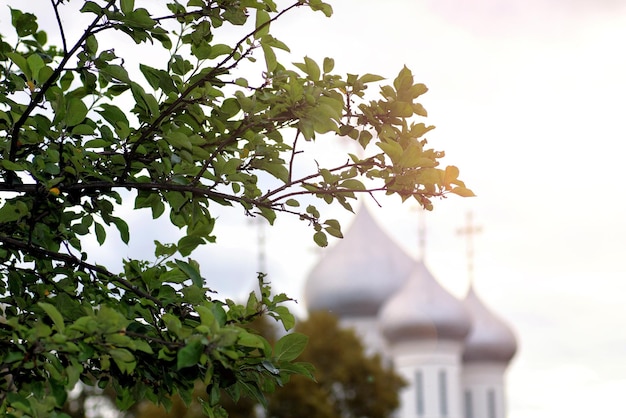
{"x":490,"y":339}
{"x":422,"y":309}
{"x":357,"y":275}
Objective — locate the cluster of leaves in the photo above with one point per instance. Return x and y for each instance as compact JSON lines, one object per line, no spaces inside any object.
{"x":80,"y":133}
{"x":349,"y":382}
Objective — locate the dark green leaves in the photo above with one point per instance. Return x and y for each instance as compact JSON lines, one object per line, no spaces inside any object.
{"x":24,"y":23}
{"x":189,"y":355}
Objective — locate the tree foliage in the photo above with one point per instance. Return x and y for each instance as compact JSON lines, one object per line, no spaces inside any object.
{"x":86,"y":127}
{"x":348,"y":382}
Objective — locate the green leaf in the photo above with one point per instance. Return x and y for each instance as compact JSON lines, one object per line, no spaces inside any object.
{"x":124,"y":359}
{"x":35,"y":63}
{"x":179,"y":140}
{"x":319,"y":5}
{"x":289,"y":347}
{"x":310,"y":68}
{"x":76,"y":112}
{"x":21,"y":62}
{"x":419,"y":110}
{"x":91,"y":44}
{"x":54,"y":314}
{"x":91,"y":7}
{"x":219,"y":50}
{"x":112,"y":114}
{"x":283,"y":315}
{"x":262,"y":22}
{"x":417,"y":90}
{"x":191,"y":271}
{"x":370,"y":78}
{"x":24,"y":23}
{"x":187,"y":244}
{"x":152,"y":75}
{"x":116,"y":72}
{"x":352,"y":184}
{"x":270,"y":57}
{"x":304,"y":369}
{"x":463,"y":192}
{"x":247,"y":339}
{"x":13,"y":211}
{"x":189,"y":355}
{"x":100,"y":233}
{"x":320,"y":239}
{"x":127,"y":6}
{"x":122,"y":227}
{"x":329,"y":64}
{"x":10,"y":165}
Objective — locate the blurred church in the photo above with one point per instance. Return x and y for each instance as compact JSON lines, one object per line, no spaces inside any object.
{"x":452,"y":353}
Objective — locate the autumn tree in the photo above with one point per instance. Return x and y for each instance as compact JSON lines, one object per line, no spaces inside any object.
{"x":147,"y":108}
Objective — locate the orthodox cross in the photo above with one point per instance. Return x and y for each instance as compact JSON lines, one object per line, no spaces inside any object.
{"x":470,"y":230}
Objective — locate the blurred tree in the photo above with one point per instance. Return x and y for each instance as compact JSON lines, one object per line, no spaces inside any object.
{"x":176,"y":124}
{"x":349,"y":384}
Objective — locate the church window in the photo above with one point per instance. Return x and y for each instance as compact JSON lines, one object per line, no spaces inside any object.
{"x":469,"y":408}
{"x":491,"y":404}
{"x":443,"y":393}
{"x":419,"y":387}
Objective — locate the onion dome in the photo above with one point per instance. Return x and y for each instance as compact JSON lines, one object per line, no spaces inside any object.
{"x":490,"y":339}
{"x":359,"y":273}
{"x":423,"y":310}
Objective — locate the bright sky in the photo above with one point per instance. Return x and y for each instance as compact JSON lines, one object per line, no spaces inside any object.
{"x":528,"y":100}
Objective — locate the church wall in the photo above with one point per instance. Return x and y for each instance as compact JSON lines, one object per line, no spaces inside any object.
{"x":367,"y":330}
{"x":433,"y":372}
{"x":483,"y":390}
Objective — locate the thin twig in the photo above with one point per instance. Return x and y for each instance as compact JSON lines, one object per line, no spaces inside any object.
{"x":293,"y":156}
{"x":55,"y":6}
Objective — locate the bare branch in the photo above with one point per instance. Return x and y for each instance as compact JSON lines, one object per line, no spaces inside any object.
{"x":55,"y":6}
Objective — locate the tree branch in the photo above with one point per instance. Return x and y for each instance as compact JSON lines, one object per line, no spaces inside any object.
{"x":71,"y":260}
{"x":38,"y":97}
{"x":219,"y":68}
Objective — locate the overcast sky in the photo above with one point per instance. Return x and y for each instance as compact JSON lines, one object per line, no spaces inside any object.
{"x":528,"y":98}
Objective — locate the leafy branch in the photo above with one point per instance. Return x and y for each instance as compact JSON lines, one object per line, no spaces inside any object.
{"x":39,"y":95}
{"x":70,"y":260}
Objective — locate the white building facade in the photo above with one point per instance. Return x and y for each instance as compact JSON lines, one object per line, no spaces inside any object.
{"x":452,"y":353}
